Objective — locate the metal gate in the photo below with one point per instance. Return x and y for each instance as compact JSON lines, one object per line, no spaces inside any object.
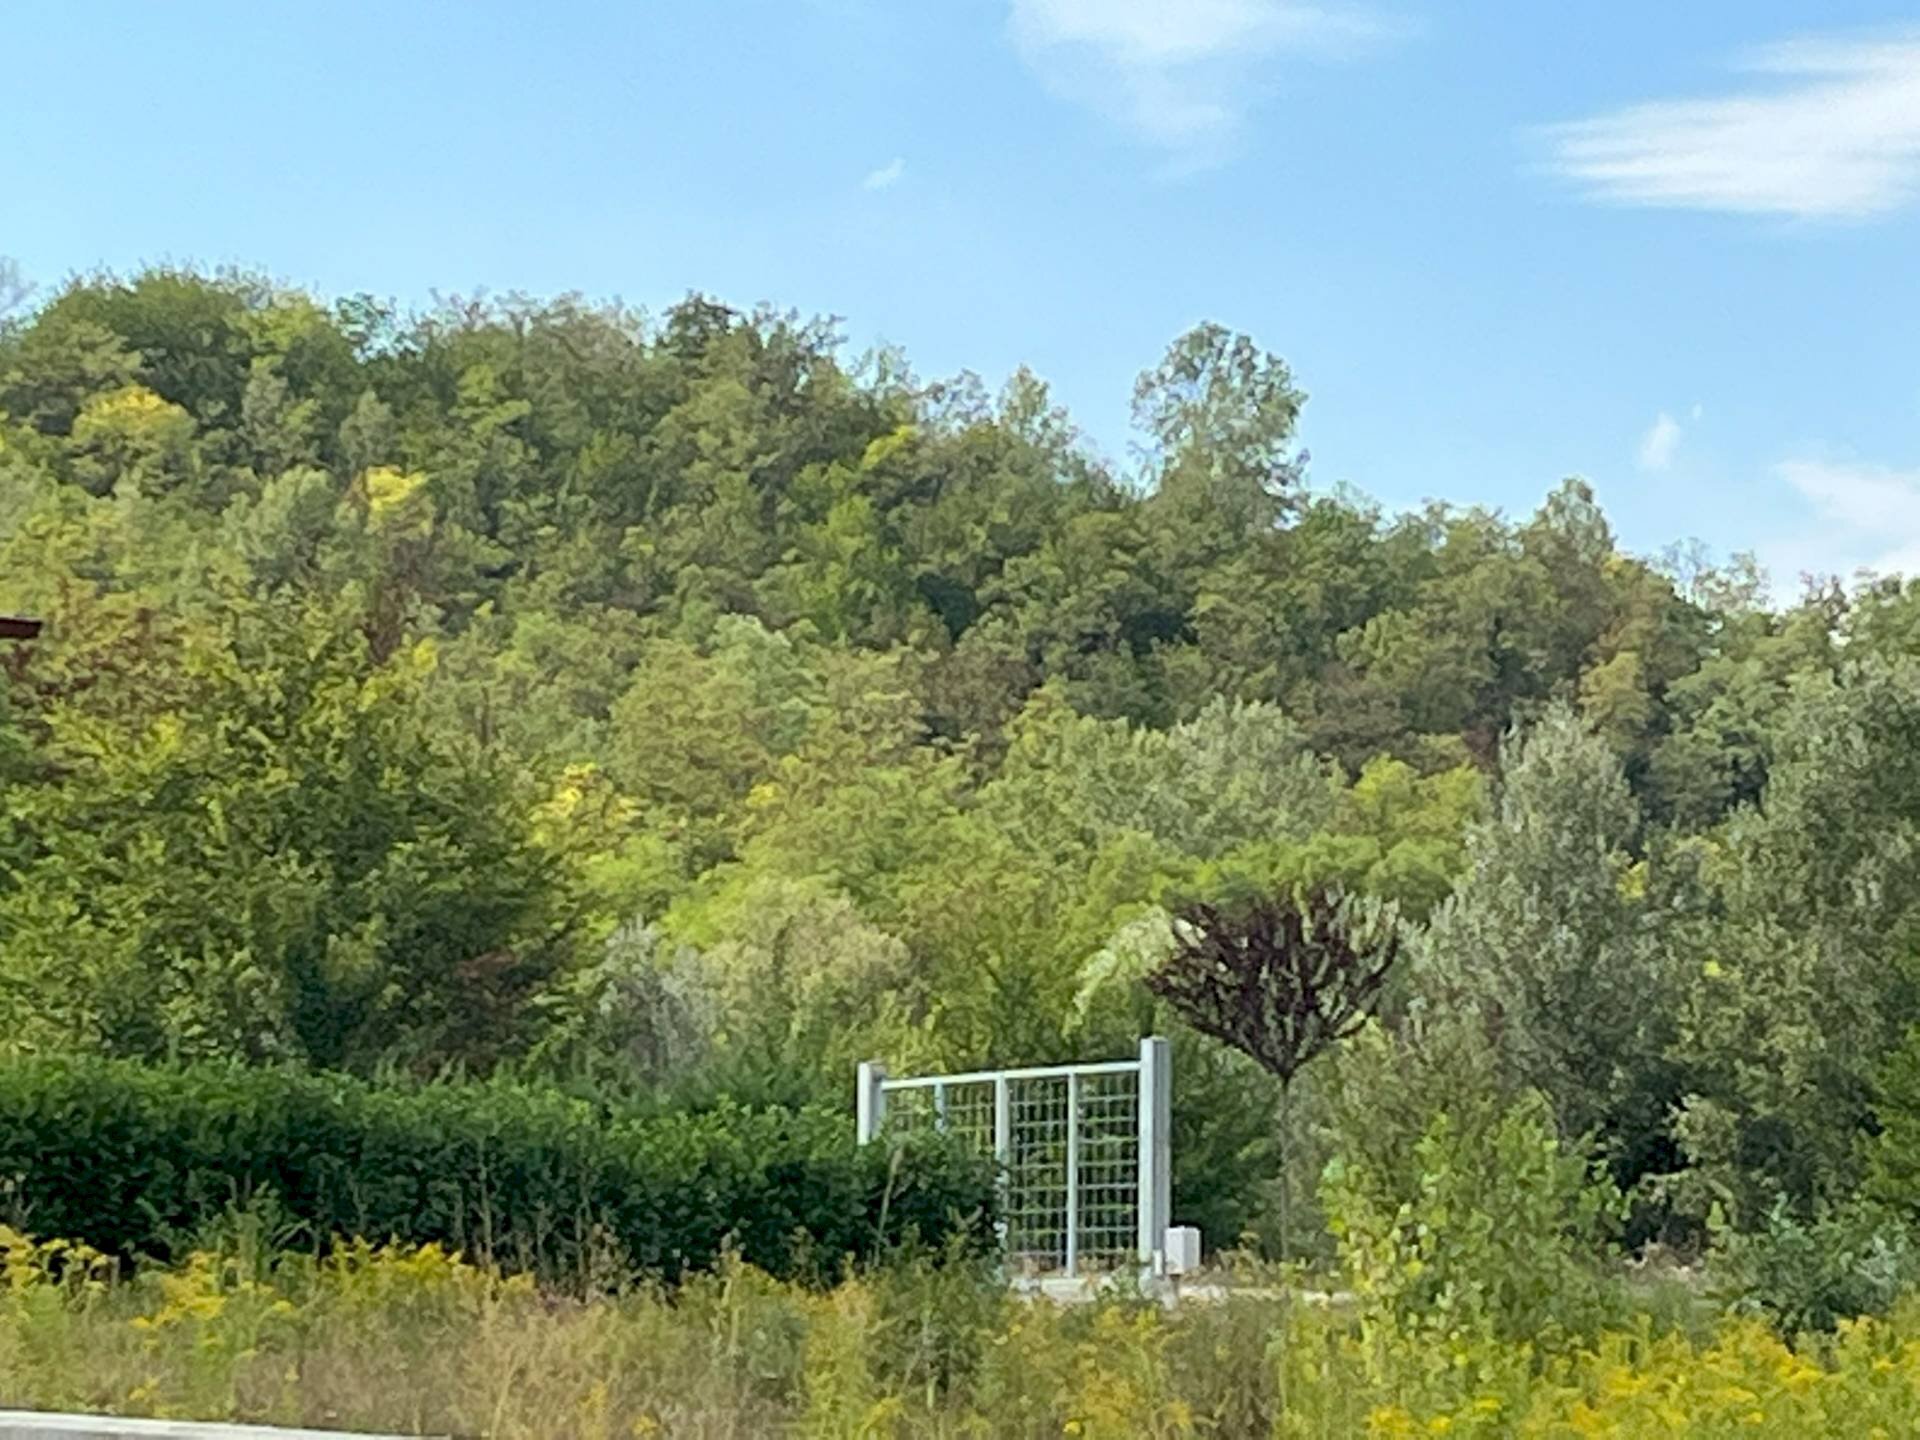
{"x":1082,"y":1151}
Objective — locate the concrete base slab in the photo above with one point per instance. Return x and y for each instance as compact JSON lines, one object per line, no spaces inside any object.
{"x":38,"y":1425}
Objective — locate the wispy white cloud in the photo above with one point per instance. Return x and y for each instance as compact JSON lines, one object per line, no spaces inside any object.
{"x":1659,"y":444}
{"x":1182,"y":73}
{"x":1828,"y":127}
{"x":886,"y":177}
{"x":1868,"y":519}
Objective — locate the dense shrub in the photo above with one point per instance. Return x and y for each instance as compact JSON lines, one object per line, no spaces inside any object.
{"x":1496,"y":1230}
{"x":134,"y":1159}
{"x":1813,"y":1274}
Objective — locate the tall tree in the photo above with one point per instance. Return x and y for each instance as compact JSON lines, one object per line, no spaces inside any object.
{"x":1553,"y":944}
{"x":1219,"y":414}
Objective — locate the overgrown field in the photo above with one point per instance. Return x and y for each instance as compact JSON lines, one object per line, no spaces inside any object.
{"x":418,"y":1341}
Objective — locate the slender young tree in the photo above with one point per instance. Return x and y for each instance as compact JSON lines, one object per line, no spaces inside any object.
{"x":1280,"y":979}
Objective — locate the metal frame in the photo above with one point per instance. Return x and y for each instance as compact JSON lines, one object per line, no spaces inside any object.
{"x":1084,"y":1152}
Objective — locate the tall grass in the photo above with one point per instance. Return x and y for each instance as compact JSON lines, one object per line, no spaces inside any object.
{"x":418,"y":1341}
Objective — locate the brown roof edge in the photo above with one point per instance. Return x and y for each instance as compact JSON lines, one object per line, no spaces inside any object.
{"x":18,"y":627}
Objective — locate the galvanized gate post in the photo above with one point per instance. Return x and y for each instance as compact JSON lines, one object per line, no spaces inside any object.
{"x":870,"y":1102}
{"x":1156,"y":1152}
{"x":1003,"y":1154}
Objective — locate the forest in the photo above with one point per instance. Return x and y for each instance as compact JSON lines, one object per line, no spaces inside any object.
{"x":663,"y":713}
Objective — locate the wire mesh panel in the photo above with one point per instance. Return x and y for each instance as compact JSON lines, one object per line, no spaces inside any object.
{"x":1034,"y":1179}
{"x":1107,"y":1192}
{"x":960,"y":1108}
{"x":1073,"y":1147}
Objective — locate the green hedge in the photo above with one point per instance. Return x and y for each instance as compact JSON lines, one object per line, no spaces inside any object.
{"x":136,"y":1159}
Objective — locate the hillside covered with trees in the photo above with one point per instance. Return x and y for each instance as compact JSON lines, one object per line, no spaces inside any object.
{"x":682,"y":708}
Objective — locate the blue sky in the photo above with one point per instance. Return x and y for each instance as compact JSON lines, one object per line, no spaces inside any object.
{"x":1669,"y":248}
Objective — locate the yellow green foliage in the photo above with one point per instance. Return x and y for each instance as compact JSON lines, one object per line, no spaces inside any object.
{"x":398,"y":500}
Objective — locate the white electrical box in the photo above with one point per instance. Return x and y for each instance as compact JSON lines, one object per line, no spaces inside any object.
{"x":1183,"y":1249}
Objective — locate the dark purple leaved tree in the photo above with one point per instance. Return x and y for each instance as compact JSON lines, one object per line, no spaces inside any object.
{"x":1281,"y":979}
